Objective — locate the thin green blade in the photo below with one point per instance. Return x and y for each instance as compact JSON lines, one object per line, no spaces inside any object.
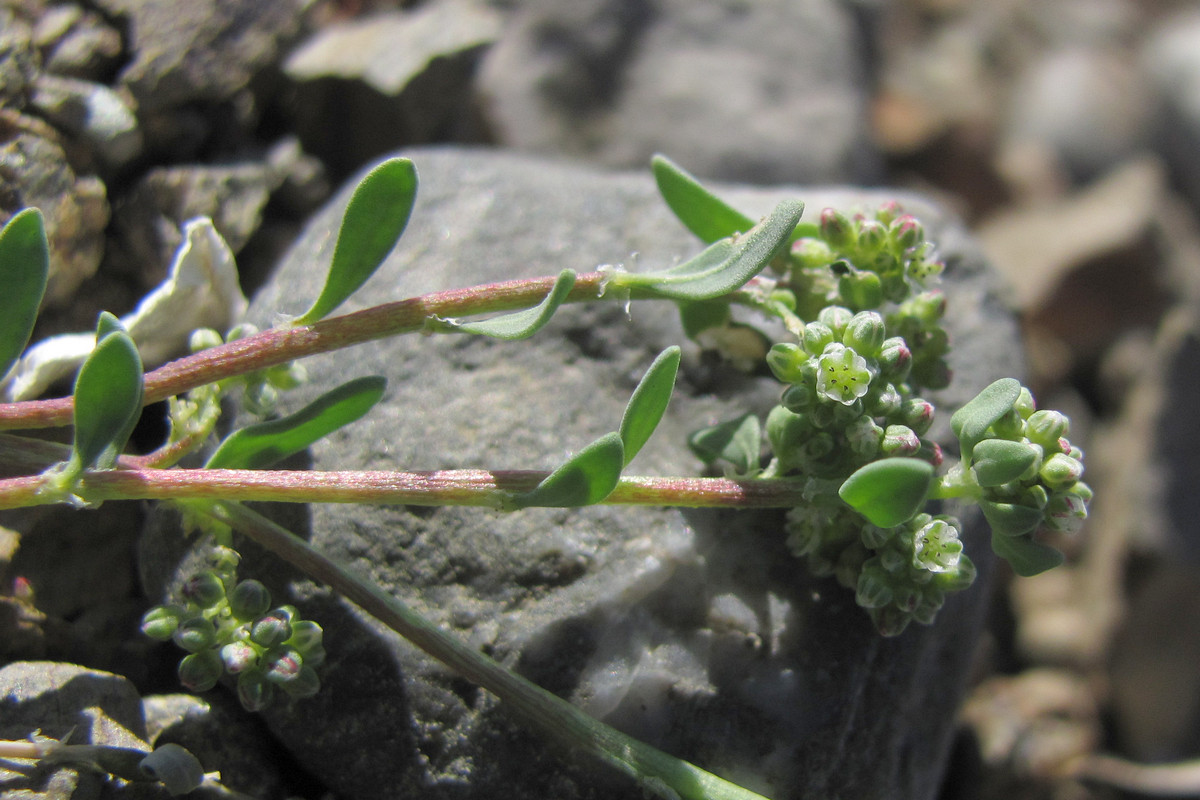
{"x":108,"y":398}
{"x":700,"y":211}
{"x":649,"y":401}
{"x":263,"y":444}
{"x":24,"y":267}
{"x":584,"y":479}
{"x":737,"y":441}
{"x":521,"y":324}
{"x":375,"y":217}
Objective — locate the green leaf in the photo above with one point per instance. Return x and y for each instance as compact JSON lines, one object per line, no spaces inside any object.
{"x":261,"y":445}
{"x":375,"y":217}
{"x":737,"y":441}
{"x":970,"y":423}
{"x":888,"y":492}
{"x":998,"y":461}
{"x":1027,"y":557}
{"x":722,"y":267}
{"x":648,"y":402}
{"x":586,"y":478}
{"x":522,"y":324}
{"x":700,"y":211}
{"x":1009,"y":519}
{"x":24,"y":266}
{"x":703,"y":315}
{"x":108,"y":397}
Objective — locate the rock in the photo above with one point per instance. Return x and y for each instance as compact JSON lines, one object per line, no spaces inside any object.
{"x":769,"y":92}
{"x":1172,"y":56}
{"x":18,"y":58}
{"x":93,"y":112}
{"x":77,"y":43}
{"x":368,"y":85}
{"x":697,"y":632}
{"x":34,"y":172}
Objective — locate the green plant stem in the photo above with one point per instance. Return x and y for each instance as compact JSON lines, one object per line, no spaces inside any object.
{"x":483,"y":488}
{"x":557,"y":719}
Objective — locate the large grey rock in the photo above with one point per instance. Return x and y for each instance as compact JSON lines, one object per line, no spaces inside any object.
{"x":696,"y":632}
{"x":768,"y":92}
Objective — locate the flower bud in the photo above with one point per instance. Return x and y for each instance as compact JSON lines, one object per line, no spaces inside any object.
{"x":305,"y":684}
{"x":812,"y":253}
{"x":203,"y":339}
{"x":241,"y":331}
{"x":200,"y":672}
{"x":1066,"y":511}
{"x":224,"y":561}
{"x":238,"y":657}
{"x":785,"y":360}
{"x":927,"y":307}
{"x":1010,"y":426}
{"x":1025,"y":405}
{"x":837,"y":230}
{"x":314,"y":656}
{"x":886,"y":403}
{"x":195,"y":634}
{"x":204,"y":590}
{"x":1047,"y":427}
{"x":817,"y":336}
{"x":271,"y":629}
{"x":917,"y":413}
{"x":865,"y":333}
{"x":872,"y":236}
{"x":1060,"y":471}
{"x":933,"y":373}
{"x":798,"y":397}
{"x":282,"y":664}
{"x":249,"y":600}
{"x":306,"y":635}
{"x":837,"y":318}
{"x":860,"y":289}
{"x":888,"y":211}
{"x":787,"y":433}
{"x":254,"y":691}
{"x":895,"y":359}
{"x":160,"y":622}
{"x":907,"y":232}
{"x":899,"y":440}
{"x":874,"y":588}
{"x":864,"y":436}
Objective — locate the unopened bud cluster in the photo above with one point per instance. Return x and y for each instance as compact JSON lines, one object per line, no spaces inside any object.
{"x":229,"y":627}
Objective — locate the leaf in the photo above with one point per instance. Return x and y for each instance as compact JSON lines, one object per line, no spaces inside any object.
{"x":722,"y":267}
{"x":970,"y":423}
{"x":703,"y":315}
{"x":700,"y":211}
{"x":375,"y":217}
{"x":263,"y":444}
{"x":24,"y":267}
{"x":1027,"y":557}
{"x":648,"y":402}
{"x":586,"y":478}
{"x":522,"y":324}
{"x":998,"y":461}
{"x":1009,"y":519}
{"x":888,"y":492}
{"x":108,"y":397}
{"x":737,"y":441}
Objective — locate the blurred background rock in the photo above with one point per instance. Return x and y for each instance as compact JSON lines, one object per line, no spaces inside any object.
{"x":1065,"y":132}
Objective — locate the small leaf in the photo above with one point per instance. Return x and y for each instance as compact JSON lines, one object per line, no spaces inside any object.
{"x":24,"y":266}
{"x":586,"y":478}
{"x":648,"y":402}
{"x":970,"y":423}
{"x":700,"y":211}
{"x":998,"y":461}
{"x":888,"y":492}
{"x":522,"y":324}
{"x":1027,"y":557}
{"x":737,"y":441}
{"x":261,"y":445}
{"x":722,"y":267}
{"x":375,"y":217}
{"x":108,"y":397}
{"x":1010,"y":519}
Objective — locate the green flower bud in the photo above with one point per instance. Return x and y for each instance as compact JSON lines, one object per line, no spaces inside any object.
{"x":785,"y":360}
{"x":895,"y":359}
{"x":837,"y":318}
{"x":241,"y":331}
{"x":282,"y":664}
{"x":874,"y":536}
{"x":1025,"y":405}
{"x":865,"y":333}
{"x":936,"y":546}
{"x":956,"y":579}
{"x":314,"y":656}
{"x":888,"y":211}
{"x":249,"y":600}
{"x":160,"y":622}
{"x":860,"y":289}
{"x":886,"y":403}
{"x":203,"y":339}
{"x":907,"y":232}
{"x":254,"y":691}
{"x":1047,"y":427}
{"x":872,"y":236}
{"x":260,"y":398}
{"x":917,"y":413}
{"x":204,"y":590}
{"x":798,"y":397}
{"x":899,"y":440}
{"x":812,"y":253}
{"x":305,"y":684}
{"x":864,"y":437}
{"x":286,"y":376}
{"x":933,"y":373}
{"x":200,"y":672}
{"x":783,"y":297}
{"x":817,"y":336}
{"x":238,"y":657}
{"x":1060,"y":471}
{"x":224,"y":561}
{"x":849,"y":565}
{"x":195,"y":634}
{"x":1067,"y":510}
{"x":837,"y":230}
{"x":1010,"y":426}
{"x":874,"y":589}
{"x":271,"y":629}
{"x":842,"y":374}
{"x":306,"y":636}
{"x":889,"y":620}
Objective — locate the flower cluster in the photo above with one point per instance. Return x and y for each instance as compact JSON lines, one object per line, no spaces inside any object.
{"x":229,"y":627}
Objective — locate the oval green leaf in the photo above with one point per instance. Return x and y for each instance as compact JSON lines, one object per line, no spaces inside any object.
{"x":888,"y":492}
{"x":108,"y":398}
{"x":649,"y":401}
{"x":24,"y":267}
{"x":1009,"y":519}
{"x":700,"y":211}
{"x":1027,"y":557}
{"x":265,"y":443}
{"x":724,"y":266}
{"x":521,"y":324}
{"x":375,"y":217}
{"x":736,"y":441}
{"x":970,"y":423}
{"x":997,"y":461}
{"x":586,"y":478}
